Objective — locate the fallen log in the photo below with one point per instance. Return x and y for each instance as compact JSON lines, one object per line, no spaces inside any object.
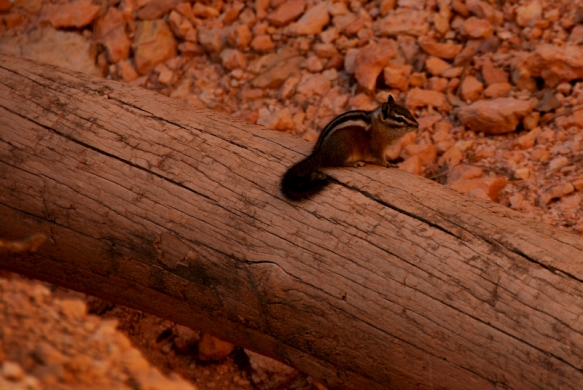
{"x":385,"y":280}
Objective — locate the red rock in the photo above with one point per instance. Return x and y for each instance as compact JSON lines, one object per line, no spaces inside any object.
{"x":420,"y":98}
{"x":528,"y":15}
{"x":325,"y":50}
{"x":126,"y":70}
{"x":493,"y":75}
{"x":287,"y":13}
{"x":526,"y":141}
{"x":447,"y":51}
{"x":387,"y":6}
{"x":5,"y":5}
{"x":155,"y":9}
{"x":239,"y":36}
{"x":463,"y":172}
{"x":398,"y":77}
{"x":276,"y":75}
{"x":556,"y":192}
{"x":110,"y":31}
{"x":190,"y":49}
{"x":313,"y":21}
{"x":576,"y":36}
{"x":491,"y":186}
{"x":477,"y":28}
{"x":262,"y":43}
{"x":452,"y":157}
{"x":418,"y":80}
{"x":403,"y":22}
{"x":426,"y":153}
{"x":578,"y":183}
{"x":531,"y":120}
{"x":471,"y":88}
{"x":555,"y":64}
{"x":498,"y":90}
{"x":267,"y":373}
{"x":211,"y":39}
{"x":233,"y":59}
{"x":30,"y":6}
{"x":412,"y":165}
{"x":361,"y":22}
{"x":261,"y":7}
{"x":371,"y":60}
{"x":210,"y":348}
{"x":153,"y":44}
{"x":279,"y":120}
{"x":77,"y":14}
{"x":232,"y":13}
{"x":204,"y":11}
{"x":576,"y":120}
{"x":313,"y":84}
{"x":436,"y":66}
{"x":496,"y":116}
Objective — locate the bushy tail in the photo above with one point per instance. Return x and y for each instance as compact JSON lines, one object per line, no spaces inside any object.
{"x":303,"y":179}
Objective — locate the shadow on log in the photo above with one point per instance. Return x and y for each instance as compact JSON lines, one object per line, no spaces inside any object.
{"x":384,"y":281}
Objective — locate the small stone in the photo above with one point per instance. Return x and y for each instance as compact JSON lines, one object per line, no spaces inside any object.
{"x":555,"y":193}
{"x":239,"y":36}
{"x":313,"y":84}
{"x":211,"y":39}
{"x":12,"y":371}
{"x":156,"y":9}
{"x":181,"y":26}
{"x":436,"y":66}
{"x":477,"y":28}
{"x":529,"y":14}
{"x":232,"y":13}
{"x":233,"y":59}
{"x":314,"y":64}
{"x":471,"y":89}
{"x":403,"y":22}
{"x":110,"y":31}
{"x":556,"y":64}
{"x":204,"y":11}
{"x":527,"y":140}
{"x":313,"y":21}
{"x":574,"y":120}
{"x":73,"y":309}
{"x":418,"y":80}
{"x":289,"y":87}
{"x":453,"y":156}
{"x":491,"y":186}
{"x":496,"y":116}
{"x":387,"y":6}
{"x":153,"y":44}
{"x":422,"y":98}
{"x":279,"y":120}
{"x":325,"y":50}
{"x":275,"y":76}
{"x":493,"y":75}
{"x":267,"y":373}
{"x":531,"y":120}
{"x":463,"y":172}
{"x":578,"y":183}
{"x":522,"y":173}
{"x":426,"y":153}
{"x":211,"y":348}
{"x":412,"y":165}
{"x":262,"y":43}
{"x":287,"y":13}
{"x":76,"y":14}
{"x":398,"y":77}
{"x":576,"y":36}
{"x":371,"y":60}
{"x":497,"y":90}
{"x":126,"y":71}
{"x":185,"y":337}
{"x":558,"y":162}
{"x":446,"y":51}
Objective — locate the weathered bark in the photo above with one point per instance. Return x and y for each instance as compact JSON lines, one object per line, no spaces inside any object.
{"x":385,"y":280}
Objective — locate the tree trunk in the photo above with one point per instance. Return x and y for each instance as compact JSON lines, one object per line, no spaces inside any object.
{"x":385,"y":280}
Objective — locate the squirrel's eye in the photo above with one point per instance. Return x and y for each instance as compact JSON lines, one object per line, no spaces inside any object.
{"x":399,"y":120}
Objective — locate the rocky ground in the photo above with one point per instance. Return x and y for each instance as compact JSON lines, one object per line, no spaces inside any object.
{"x":497,"y":88}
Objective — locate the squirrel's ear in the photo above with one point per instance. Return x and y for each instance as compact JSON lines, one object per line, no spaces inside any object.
{"x":391,"y":101}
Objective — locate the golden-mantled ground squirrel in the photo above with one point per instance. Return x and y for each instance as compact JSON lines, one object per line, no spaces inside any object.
{"x":351,"y":139}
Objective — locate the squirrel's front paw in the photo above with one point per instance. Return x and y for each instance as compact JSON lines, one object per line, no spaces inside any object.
{"x":390,"y":165}
{"x":359,"y":164}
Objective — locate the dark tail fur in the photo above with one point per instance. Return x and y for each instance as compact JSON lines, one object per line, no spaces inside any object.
{"x":303,"y":179}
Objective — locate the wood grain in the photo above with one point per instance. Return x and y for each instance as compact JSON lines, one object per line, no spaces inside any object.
{"x":384,"y":281}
